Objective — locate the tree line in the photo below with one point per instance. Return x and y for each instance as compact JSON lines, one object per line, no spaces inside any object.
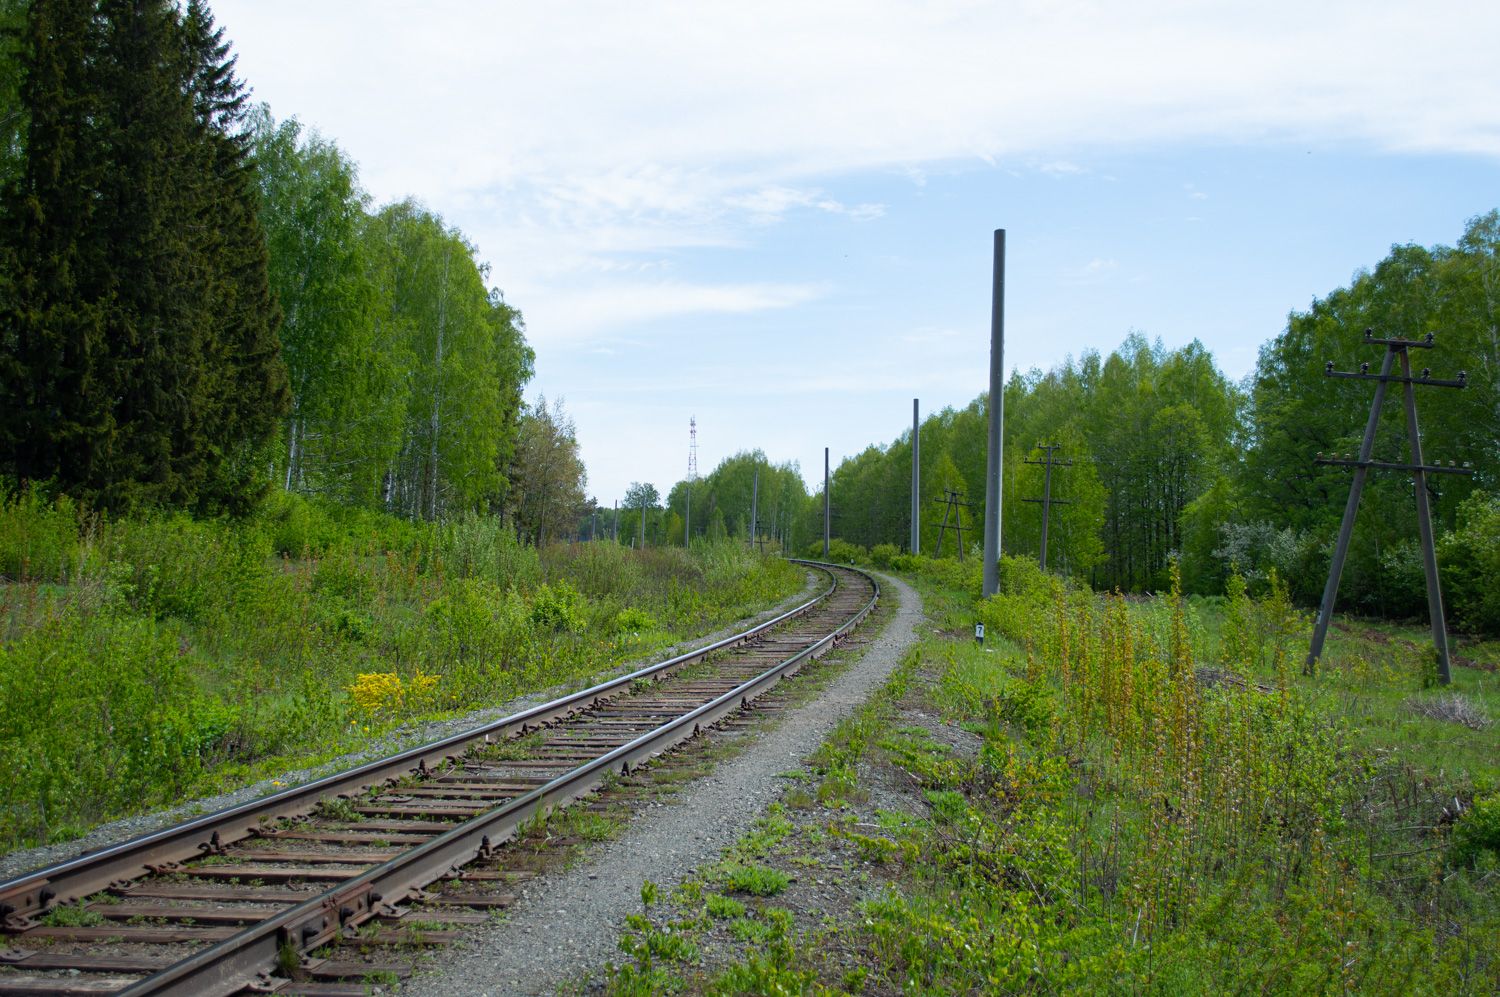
{"x":200,"y":304}
{"x":1172,"y":461}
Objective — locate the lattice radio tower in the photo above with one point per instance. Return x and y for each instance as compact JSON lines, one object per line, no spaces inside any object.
{"x":693,"y":449}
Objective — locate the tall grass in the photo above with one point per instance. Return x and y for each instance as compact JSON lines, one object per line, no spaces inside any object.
{"x":145,"y":659}
{"x":1164,"y":805}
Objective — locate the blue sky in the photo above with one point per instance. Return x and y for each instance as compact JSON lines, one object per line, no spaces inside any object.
{"x":778,"y":218}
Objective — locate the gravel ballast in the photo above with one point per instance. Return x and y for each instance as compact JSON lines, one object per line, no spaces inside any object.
{"x":568,"y":923}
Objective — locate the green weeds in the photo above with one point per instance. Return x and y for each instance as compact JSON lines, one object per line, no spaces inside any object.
{"x":159,"y":657}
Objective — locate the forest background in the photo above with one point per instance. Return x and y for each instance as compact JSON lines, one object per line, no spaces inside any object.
{"x":388,"y":375}
{"x":241,"y":400}
{"x":1173,"y":461}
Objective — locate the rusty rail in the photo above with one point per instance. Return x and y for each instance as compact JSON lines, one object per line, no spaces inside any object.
{"x":245,"y":960}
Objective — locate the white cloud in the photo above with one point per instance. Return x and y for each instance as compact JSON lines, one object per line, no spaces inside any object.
{"x":585,"y":147}
{"x":1093,"y":272}
{"x":556,"y":133}
{"x":617,"y":305}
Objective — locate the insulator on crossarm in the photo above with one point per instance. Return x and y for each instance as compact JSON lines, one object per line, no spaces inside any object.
{"x":1328,"y":367}
{"x":1426,"y":373}
{"x":1364,"y":368}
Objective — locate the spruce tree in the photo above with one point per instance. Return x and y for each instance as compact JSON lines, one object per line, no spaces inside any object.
{"x":175,"y":384}
{"x":51,"y":316}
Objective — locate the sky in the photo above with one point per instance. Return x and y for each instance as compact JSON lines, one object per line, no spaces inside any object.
{"x":777,"y":217}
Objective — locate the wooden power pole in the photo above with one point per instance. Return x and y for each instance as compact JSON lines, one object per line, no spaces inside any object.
{"x":1394,"y":349}
{"x":1047,"y":501}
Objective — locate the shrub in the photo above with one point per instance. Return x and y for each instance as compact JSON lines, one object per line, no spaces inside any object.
{"x":98,"y":713}
{"x":759,"y":880}
{"x":38,"y":538}
{"x":881,"y":555}
{"x":723,"y":908}
{"x":1478,"y":832}
{"x":1469,"y":559}
{"x":558,"y":608}
{"x":632,"y":620}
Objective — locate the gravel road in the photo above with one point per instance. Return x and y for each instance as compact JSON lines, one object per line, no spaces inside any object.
{"x":407,"y":736}
{"x":567,"y":923}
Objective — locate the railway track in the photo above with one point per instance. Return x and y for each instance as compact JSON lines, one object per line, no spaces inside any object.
{"x":403,"y":851}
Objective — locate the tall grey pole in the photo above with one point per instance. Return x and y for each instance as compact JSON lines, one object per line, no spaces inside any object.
{"x":1424,"y":525}
{"x":825,"y":503}
{"x":916,"y":480}
{"x":997,"y":413}
{"x":1046,"y":504}
{"x":754,"y":498}
{"x":614,"y":533}
{"x":687,"y":518}
{"x":1346,"y":528}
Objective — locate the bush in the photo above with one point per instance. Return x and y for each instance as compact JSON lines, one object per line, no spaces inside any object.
{"x":1478,"y":832}
{"x":881,"y":555}
{"x":558,"y":608}
{"x":1469,"y":562}
{"x":632,"y":620}
{"x":758,"y":880}
{"x":98,"y":713}
{"x":38,"y":538}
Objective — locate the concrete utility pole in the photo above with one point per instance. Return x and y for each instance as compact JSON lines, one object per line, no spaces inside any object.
{"x":916,"y":480}
{"x":997,"y":414}
{"x":1394,"y":348}
{"x":754,"y":497}
{"x":825,"y":503}
{"x":614,"y":533}
{"x":1047,"y":500}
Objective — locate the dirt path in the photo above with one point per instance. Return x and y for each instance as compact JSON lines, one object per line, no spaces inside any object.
{"x":568,"y":923}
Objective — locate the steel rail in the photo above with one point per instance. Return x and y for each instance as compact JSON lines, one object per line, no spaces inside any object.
{"x":71,"y":880}
{"x":245,"y":961}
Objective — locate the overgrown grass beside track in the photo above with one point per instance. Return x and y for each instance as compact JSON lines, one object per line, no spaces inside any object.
{"x":153,"y":658}
{"x":1156,"y":801}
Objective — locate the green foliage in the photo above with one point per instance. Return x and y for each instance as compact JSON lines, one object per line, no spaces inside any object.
{"x":1469,"y":560}
{"x":882,"y":555}
{"x":723,"y":496}
{"x":147,"y":658}
{"x":1153,"y":834}
{"x":723,"y":908}
{"x":391,"y":340}
{"x":72,"y":916}
{"x":757,"y":880}
{"x":139,"y":362}
{"x":558,"y":608}
{"x":39,"y":539}
{"x":1477,"y":832}
{"x":632,"y":620}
